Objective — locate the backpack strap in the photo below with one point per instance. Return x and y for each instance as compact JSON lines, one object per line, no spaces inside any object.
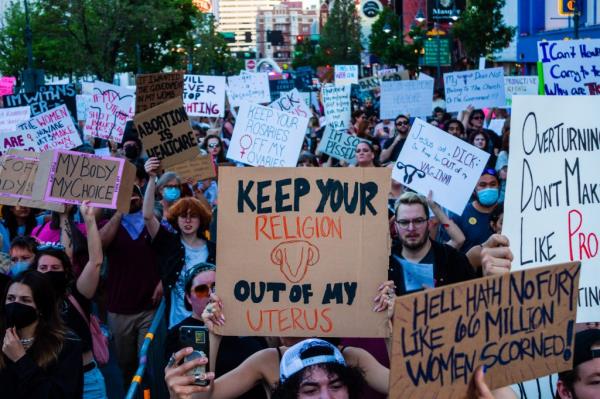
{"x":78,"y":307}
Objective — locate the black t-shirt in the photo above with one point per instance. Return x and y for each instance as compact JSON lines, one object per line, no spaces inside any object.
{"x":396,"y":151}
{"x":75,"y":321}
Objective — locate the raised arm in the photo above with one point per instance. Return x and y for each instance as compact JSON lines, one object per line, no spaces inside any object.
{"x":457,"y":237}
{"x":376,"y":375}
{"x":152,"y":224}
{"x":90,"y":276}
{"x":66,"y":234}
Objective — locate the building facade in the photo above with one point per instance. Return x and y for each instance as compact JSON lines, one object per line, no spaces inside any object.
{"x":239,"y":17}
{"x":294,"y":22}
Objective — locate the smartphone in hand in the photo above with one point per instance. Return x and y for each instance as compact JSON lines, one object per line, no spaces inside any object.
{"x":197,"y":338}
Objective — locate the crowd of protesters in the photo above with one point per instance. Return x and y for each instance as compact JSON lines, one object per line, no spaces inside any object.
{"x":69,"y":278}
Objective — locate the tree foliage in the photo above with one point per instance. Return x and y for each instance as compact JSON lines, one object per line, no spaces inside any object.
{"x":481,"y":28}
{"x":99,"y":37}
{"x":340,"y":38}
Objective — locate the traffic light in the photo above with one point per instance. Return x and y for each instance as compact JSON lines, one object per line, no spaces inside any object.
{"x":299,"y":39}
{"x":248,"y":37}
{"x":275,"y":37}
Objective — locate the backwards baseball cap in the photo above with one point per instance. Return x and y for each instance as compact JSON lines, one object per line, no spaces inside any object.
{"x":308,"y":353}
{"x":584,"y":340}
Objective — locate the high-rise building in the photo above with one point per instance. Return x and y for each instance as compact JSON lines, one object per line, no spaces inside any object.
{"x":294,"y":23}
{"x":239,"y":17}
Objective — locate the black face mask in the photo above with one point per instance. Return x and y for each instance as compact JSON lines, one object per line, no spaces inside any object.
{"x":19,"y":315}
{"x":59,"y":282}
{"x":131,"y":152}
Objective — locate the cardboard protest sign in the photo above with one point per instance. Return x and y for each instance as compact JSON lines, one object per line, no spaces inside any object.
{"x":552,"y":193}
{"x":18,"y":140}
{"x":166,"y":133}
{"x":264,"y":136}
{"x":204,"y":95}
{"x":279,"y":86}
{"x":45,"y":99}
{"x":70,"y":177}
{"x":519,"y":325}
{"x":107,"y":113}
{"x":199,"y":168}
{"x":7,"y":85}
{"x":292,"y":103}
{"x":52,"y":129}
{"x":346,"y":75}
{"x":336,"y":101}
{"x":481,"y":89}
{"x":311,"y":251}
{"x":156,"y":88}
{"x":18,"y":170}
{"x":408,"y":97}
{"x":10,"y":118}
{"x":337,"y":143}
{"x":248,"y":88}
{"x":432,"y":159}
{"x":519,"y":85}
{"x":570,"y":67}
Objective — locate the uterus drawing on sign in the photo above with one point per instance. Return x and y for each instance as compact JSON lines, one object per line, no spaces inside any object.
{"x":409,"y":172}
{"x":294,"y":258}
{"x":245,"y":144}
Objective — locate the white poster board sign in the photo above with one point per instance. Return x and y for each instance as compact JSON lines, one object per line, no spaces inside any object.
{"x":432,"y":159}
{"x":82,"y":102}
{"x":336,"y":102}
{"x":204,"y":95}
{"x":552,"y":198}
{"x":17,"y":140}
{"x":292,"y":102}
{"x":480,"y":89}
{"x":520,"y":85}
{"x":496,"y":126}
{"x":264,"y":136}
{"x":248,"y":88}
{"x":53,"y":129}
{"x":106,"y":115}
{"x":346,"y":74}
{"x":10,"y":118}
{"x":571,"y":67}
{"x":407,"y":97}
{"x":337,"y":143}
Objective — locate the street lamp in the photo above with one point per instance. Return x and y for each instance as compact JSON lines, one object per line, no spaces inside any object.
{"x":387,"y":28}
{"x":420,"y":17}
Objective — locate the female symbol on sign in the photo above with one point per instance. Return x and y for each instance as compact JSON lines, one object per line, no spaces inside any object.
{"x":243,"y":143}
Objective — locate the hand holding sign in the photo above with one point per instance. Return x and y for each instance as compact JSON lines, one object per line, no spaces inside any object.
{"x":152,"y":166}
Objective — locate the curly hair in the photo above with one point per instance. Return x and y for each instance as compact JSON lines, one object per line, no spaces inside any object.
{"x":194,"y":208}
{"x":351,"y":377}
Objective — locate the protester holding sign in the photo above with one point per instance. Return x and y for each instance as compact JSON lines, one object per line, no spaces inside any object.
{"x":393,"y":146}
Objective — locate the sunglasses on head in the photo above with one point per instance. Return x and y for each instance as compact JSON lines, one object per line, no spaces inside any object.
{"x":203,"y":290}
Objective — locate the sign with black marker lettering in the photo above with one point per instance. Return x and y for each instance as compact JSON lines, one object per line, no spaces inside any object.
{"x":166,"y":133}
{"x":336,"y":101}
{"x":432,"y":159}
{"x":293,"y":103}
{"x":481,"y":89}
{"x":264,"y":136}
{"x":11,"y":117}
{"x":153,"y":89}
{"x":338,"y":143}
{"x":552,"y":190}
{"x":204,"y":95}
{"x":311,"y":251}
{"x":52,"y":129}
{"x":108,"y":111}
{"x":70,"y":177}
{"x":518,"y":325}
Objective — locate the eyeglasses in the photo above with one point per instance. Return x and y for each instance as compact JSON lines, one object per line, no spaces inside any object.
{"x":401,"y":123}
{"x":203,"y":290}
{"x":417,"y":223}
{"x":213,"y":145}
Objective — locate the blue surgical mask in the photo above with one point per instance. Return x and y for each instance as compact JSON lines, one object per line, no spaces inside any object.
{"x":171,"y":194}
{"x":488,"y":196}
{"x":17,"y":268}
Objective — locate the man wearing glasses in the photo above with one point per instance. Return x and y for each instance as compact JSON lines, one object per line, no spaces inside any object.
{"x":417,"y":262}
{"x":393,"y":146}
{"x":475,"y":219}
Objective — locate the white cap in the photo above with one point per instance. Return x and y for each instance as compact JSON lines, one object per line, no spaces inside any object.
{"x":294,"y":360}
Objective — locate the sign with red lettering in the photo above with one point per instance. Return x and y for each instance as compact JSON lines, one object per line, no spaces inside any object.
{"x":204,"y":95}
{"x":53,"y":129}
{"x":311,"y":251}
{"x":107,"y":112}
{"x":552,"y":190}
{"x":519,"y":326}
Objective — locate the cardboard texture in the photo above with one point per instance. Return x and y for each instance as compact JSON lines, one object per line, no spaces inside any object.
{"x":18,"y":170}
{"x":551,"y":198}
{"x":166,"y":133}
{"x":153,"y":89}
{"x":199,"y":168}
{"x":73,"y":177}
{"x":519,"y":325}
{"x":302,"y":265}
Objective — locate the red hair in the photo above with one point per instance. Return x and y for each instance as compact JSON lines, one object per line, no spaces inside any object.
{"x":193,"y":207}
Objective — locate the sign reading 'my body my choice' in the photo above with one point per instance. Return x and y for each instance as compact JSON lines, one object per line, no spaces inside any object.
{"x":297,"y":269}
{"x":481,"y":89}
{"x":264,"y":136}
{"x":432,"y":159}
{"x":519,"y":326}
{"x":552,"y":192}
{"x":571,"y":67}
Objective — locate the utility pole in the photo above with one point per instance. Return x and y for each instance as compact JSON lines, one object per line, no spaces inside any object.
{"x":576,"y":17}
